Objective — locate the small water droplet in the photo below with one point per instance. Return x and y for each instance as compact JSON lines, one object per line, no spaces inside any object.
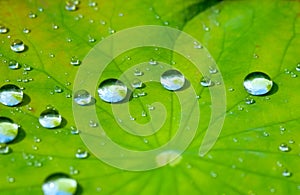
{"x":258,"y":83}
{"x":206,"y":82}
{"x":10,"y":95}
{"x":144,"y":114}
{"x":70,"y":6}
{"x":212,"y":70}
{"x":137,"y":72}
{"x":75,"y":61}
{"x":26,"y":30}
{"x":136,"y":83}
{"x":206,"y":28}
{"x":282,"y":128}
{"x":55,"y":27}
{"x":14,"y":65}
{"x":266,"y":134}
{"x":172,"y":80}
{"x":41,"y":9}
{"x":8,"y":130}
{"x":249,"y":101}
{"x":284,"y":148}
{"x":57,"y":89}
{"x":32,"y":15}
{"x":293,"y":75}
{"x":112,"y":91}
{"x":36,"y":139}
{"x":91,"y":39}
{"x":3,"y":29}
{"x":81,"y":153}
{"x":93,"y":123}
{"x":213,"y":174}
{"x":4,"y":149}
{"x":92,"y":4}
{"x":291,"y":141}
{"x":10,"y":179}
{"x":59,"y":183}
{"x":74,"y":130}
{"x":286,"y":173}
{"x":82,"y":97}
{"x":153,"y":62}
{"x":297,"y":67}
{"x":17,"y":45}
{"x":197,"y":45}
{"x":50,"y":118}
{"x":255,"y":56}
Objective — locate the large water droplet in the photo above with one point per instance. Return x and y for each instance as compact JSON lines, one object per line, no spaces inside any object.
{"x":8,"y":130}
{"x":82,"y":97}
{"x":11,"y":95}
{"x":3,"y":29}
{"x":258,"y":83}
{"x":59,"y":184}
{"x":50,"y":118}
{"x":112,"y":91}
{"x":172,"y":80}
{"x":17,"y":45}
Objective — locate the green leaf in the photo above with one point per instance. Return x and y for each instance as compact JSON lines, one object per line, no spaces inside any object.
{"x":242,"y":37}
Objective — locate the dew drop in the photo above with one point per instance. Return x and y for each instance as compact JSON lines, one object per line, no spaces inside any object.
{"x":112,"y":90}
{"x":50,"y":118}
{"x":137,"y":72}
{"x":26,"y":30}
{"x":32,"y":15}
{"x":92,"y":39}
{"x":144,"y":114}
{"x":14,"y":65}
{"x":75,"y":61}
{"x":11,"y":179}
{"x":153,"y":62}
{"x":74,"y":130}
{"x":8,"y":130}
{"x":82,"y":97}
{"x":3,"y":29}
{"x":172,"y":80}
{"x":55,"y":27}
{"x":249,"y":101}
{"x":4,"y":149}
{"x":284,"y":148}
{"x":206,"y":82}
{"x":93,"y":123}
{"x":57,"y":89}
{"x":286,"y":173}
{"x":258,"y":83}
{"x":81,"y":153}
{"x":59,"y":183}
{"x":11,"y":95}
{"x":70,"y":6}
{"x":17,"y":45}
{"x":297,"y":67}
{"x":136,"y":83}
{"x":212,"y":70}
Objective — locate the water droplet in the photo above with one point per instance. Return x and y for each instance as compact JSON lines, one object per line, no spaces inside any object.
{"x":291,"y":141}
{"x":81,"y":153}
{"x":172,"y":80}
{"x":14,"y":65}
{"x":286,"y":173}
{"x":3,"y":29}
{"x":137,"y":72}
{"x":297,"y":67}
{"x":70,"y":6}
{"x":75,"y":61}
{"x":57,"y":89}
{"x":112,"y":90}
{"x":258,"y":83}
{"x":74,"y":130}
{"x":82,"y":97}
{"x":213,"y":174}
{"x":131,"y":118}
{"x":17,"y":45}
{"x":153,"y":62}
{"x":212,"y":70}
{"x":8,"y":130}
{"x":10,"y":179}
{"x":206,"y":28}
{"x":206,"y":82}
{"x":26,"y":30}
{"x":55,"y":27}
{"x":11,"y":95}
{"x":284,"y":148}
{"x":32,"y":15}
{"x":50,"y":118}
{"x":255,"y":56}
{"x":92,"y":4}
{"x":93,"y":123}
{"x":4,"y":149}
{"x":136,"y":83}
{"x":293,"y":75}
{"x":249,"y":101}
{"x":59,"y":183}
{"x":266,"y":134}
{"x":36,"y":139}
{"x":144,"y":114}
{"x":73,"y":171}
{"x":92,"y":39}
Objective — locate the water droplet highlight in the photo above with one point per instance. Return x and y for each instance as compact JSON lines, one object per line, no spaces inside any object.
{"x":82,"y":97}
{"x":11,"y":95}
{"x":172,"y":80}
{"x":112,"y":91}
{"x":258,"y":83}
{"x":17,"y":46}
{"x":59,"y":184}
{"x":8,"y":130}
{"x":50,"y":118}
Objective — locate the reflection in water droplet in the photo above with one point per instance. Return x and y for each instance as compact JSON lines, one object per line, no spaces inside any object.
{"x":112,"y":90}
{"x":206,"y":82}
{"x":17,"y":45}
{"x":14,"y":65}
{"x":3,"y":29}
{"x":75,"y":61}
{"x":50,"y":118}
{"x":284,"y":148}
{"x":81,"y":153}
{"x":8,"y":130}
{"x":136,"y":83}
{"x":59,"y":184}
{"x":172,"y":80}
{"x":258,"y":83}
{"x":82,"y":97}
{"x":4,"y":149}
{"x":11,"y":95}
{"x":70,"y":6}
